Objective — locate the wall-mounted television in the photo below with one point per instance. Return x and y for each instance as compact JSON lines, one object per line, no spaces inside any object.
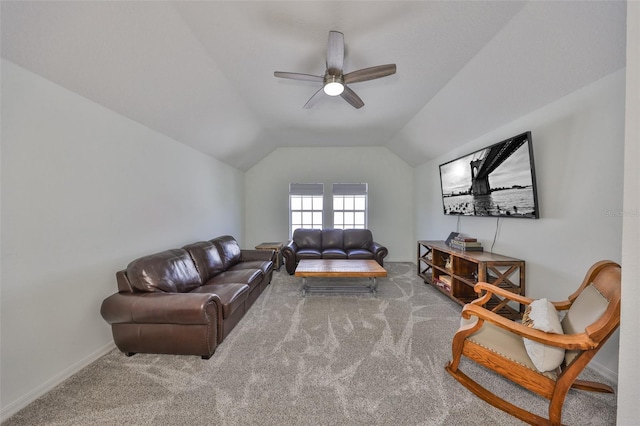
{"x":496,"y":181}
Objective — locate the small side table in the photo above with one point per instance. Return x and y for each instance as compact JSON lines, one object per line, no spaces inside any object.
{"x":275,"y":246}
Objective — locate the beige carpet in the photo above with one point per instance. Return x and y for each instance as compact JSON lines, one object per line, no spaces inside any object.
{"x":319,"y":360}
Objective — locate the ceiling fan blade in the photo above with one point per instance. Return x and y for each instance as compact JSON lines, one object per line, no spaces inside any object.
{"x":351,"y":97}
{"x":335,"y":53}
{"x":298,"y":76}
{"x":314,"y":99}
{"x":370,"y":73}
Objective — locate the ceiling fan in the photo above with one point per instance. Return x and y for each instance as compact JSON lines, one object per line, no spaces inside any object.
{"x":334,"y":81}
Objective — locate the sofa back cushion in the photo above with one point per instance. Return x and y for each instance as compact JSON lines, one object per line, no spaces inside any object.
{"x":207,"y":259}
{"x":229,"y":250}
{"x":332,"y":239}
{"x":308,"y":238}
{"x":170,"y":271}
{"x":357,"y":238}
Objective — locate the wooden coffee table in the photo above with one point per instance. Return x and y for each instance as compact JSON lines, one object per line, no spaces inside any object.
{"x":339,"y":268}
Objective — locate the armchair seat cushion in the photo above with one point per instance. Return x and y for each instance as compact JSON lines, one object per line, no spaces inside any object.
{"x":506,"y":344}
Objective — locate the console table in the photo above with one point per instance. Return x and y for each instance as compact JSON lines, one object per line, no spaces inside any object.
{"x":454,"y":272}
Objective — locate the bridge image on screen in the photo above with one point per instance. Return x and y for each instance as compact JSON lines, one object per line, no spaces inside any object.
{"x":491,"y":159}
{"x":495,"y":181}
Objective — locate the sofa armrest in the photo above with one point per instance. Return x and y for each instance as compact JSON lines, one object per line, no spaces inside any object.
{"x":250,"y":255}
{"x":162,"y":308}
{"x":379,"y":252}
{"x":289,"y":255}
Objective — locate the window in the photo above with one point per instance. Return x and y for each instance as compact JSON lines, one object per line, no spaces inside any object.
{"x":350,"y":205}
{"x":305,"y":205}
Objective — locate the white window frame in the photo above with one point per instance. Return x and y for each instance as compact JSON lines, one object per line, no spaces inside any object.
{"x":306,"y":206}
{"x":350,"y":202}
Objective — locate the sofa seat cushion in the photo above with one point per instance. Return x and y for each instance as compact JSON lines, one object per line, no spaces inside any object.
{"x":334,"y":254}
{"x":359,"y":254}
{"x":262,"y":265}
{"x":308,"y":254}
{"x":232,"y":295}
{"x":251,"y":277}
{"x":170,"y":271}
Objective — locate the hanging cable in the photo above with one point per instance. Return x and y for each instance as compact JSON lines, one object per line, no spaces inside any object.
{"x":495,"y":235}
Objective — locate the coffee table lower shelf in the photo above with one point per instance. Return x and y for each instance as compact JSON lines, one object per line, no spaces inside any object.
{"x":339,"y":288}
{"x":339,"y":268}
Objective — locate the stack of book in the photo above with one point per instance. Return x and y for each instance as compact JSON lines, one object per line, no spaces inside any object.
{"x":466,"y":244}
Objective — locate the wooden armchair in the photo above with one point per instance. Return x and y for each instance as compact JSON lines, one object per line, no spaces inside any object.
{"x":592,"y":315}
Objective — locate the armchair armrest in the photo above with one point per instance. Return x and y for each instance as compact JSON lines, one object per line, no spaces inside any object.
{"x":491,"y":289}
{"x":578,"y":341}
{"x":162,"y":308}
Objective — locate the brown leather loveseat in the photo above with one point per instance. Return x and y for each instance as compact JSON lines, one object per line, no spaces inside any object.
{"x":186,"y":301}
{"x":331,"y":244}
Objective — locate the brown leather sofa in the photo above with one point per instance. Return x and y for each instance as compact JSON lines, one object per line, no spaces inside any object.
{"x":331,"y":244}
{"x":186,"y":301}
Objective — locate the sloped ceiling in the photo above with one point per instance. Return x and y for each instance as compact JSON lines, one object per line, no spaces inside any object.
{"x":202,"y":72}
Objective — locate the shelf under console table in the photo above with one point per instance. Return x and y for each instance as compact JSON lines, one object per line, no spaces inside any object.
{"x":454,"y":272}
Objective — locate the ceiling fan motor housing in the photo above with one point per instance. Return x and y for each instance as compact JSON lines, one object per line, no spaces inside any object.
{"x":333,"y":84}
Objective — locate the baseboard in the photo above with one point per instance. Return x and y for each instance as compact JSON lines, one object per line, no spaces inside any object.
{"x":603,"y":371}
{"x":36,"y":393}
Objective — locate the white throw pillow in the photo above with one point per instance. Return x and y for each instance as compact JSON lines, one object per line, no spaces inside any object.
{"x":542,"y":315}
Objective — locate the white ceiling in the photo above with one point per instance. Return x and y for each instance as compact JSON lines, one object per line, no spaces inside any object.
{"x":202,"y":72}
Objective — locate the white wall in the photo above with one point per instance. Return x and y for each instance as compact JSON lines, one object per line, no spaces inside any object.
{"x":578,"y":146}
{"x":629,"y":382}
{"x":84,"y":192}
{"x":390,"y":192}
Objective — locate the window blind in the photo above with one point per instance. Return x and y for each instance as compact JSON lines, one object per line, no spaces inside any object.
{"x":349,"y":189}
{"x":306,"y":189}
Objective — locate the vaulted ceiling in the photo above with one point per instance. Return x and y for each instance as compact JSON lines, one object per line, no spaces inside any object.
{"x":202,"y":72}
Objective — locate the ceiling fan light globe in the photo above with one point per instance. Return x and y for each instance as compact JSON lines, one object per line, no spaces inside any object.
{"x":333,"y":88}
